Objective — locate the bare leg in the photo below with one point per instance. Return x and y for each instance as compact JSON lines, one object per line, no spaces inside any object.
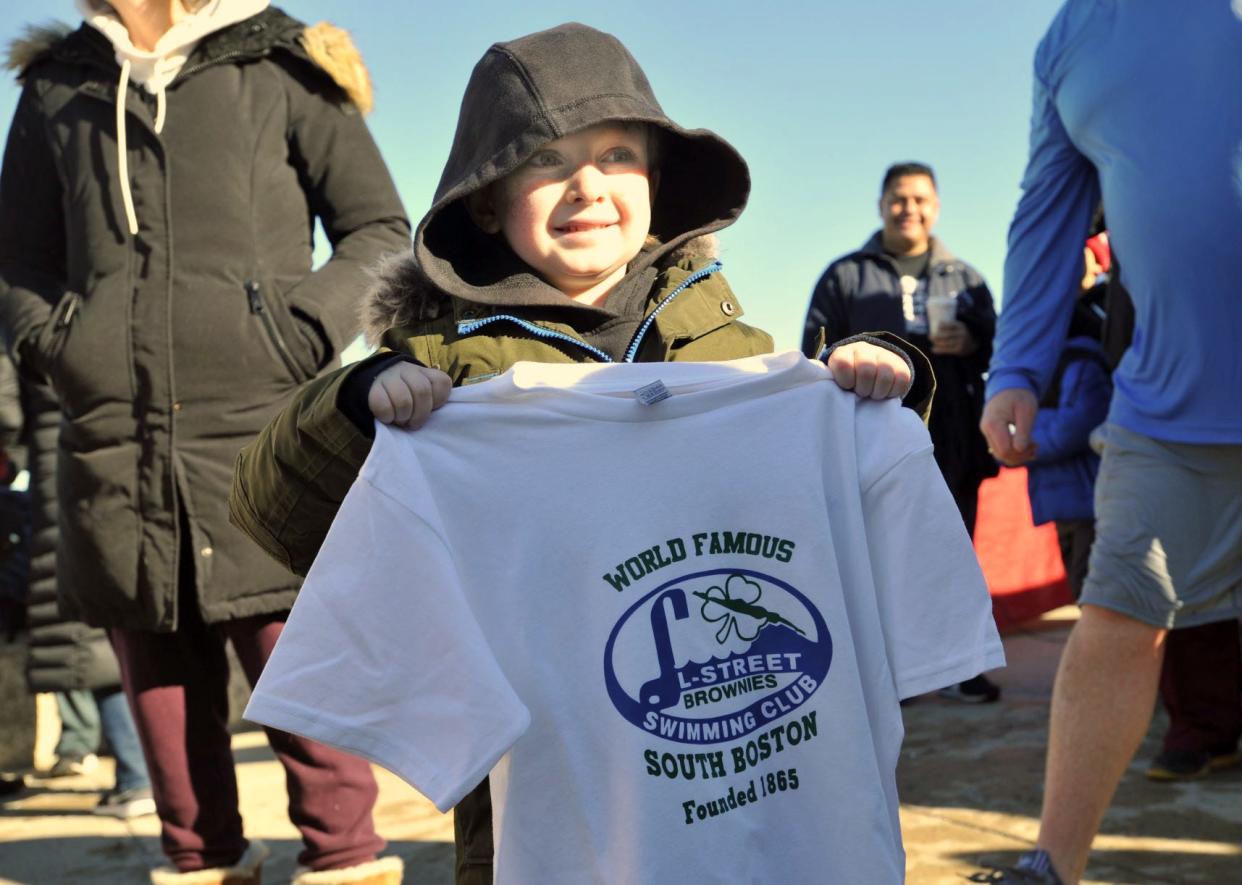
{"x":1102,"y":704}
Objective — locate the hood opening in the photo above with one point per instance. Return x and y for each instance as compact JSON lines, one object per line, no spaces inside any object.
{"x":527,"y":92}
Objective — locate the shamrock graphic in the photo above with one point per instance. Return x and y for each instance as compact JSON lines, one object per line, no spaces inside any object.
{"x":735,"y":606}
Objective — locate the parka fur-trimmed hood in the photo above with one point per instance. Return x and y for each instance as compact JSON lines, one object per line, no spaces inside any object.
{"x":34,"y":42}
{"x":527,"y":92}
{"x":401,"y":294}
{"x":325,"y":45}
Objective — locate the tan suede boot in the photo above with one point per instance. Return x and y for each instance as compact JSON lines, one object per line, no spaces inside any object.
{"x":385,"y":871}
{"x":247,"y":871}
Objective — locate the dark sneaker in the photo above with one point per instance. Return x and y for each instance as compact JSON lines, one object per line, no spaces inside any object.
{"x":979,"y":690}
{"x":1032,"y":868}
{"x":126,"y":804}
{"x":1187,"y":765}
{"x":73,"y":766}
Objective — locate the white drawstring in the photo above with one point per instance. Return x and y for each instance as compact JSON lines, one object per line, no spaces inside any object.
{"x":122,"y":149}
{"x":161,"y":103}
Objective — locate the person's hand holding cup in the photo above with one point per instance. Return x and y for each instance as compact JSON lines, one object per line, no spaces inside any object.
{"x":949,"y":336}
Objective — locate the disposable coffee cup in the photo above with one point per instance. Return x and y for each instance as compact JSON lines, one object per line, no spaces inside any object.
{"x":940,"y":309}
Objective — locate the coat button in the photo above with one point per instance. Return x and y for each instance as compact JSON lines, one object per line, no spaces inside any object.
{"x":177,"y":406}
{"x":727,"y":308}
{"x":206,"y":552}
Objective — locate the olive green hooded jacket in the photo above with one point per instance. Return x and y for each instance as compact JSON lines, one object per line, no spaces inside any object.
{"x":464,"y":303}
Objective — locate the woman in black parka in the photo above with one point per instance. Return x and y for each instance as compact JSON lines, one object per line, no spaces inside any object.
{"x":163,"y":174}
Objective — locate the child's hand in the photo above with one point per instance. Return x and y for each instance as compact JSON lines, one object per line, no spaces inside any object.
{"x":404,"y":394}
{"x":870,"y":370}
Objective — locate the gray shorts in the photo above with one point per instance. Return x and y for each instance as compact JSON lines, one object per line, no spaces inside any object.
{"x":1168,"y":531}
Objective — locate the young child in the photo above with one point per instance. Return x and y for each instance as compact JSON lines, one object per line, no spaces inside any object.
{"x":570,"y":225}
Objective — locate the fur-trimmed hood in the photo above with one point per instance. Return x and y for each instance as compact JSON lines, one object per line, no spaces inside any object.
{"x":401,"y":294}
{"x":324,"y":45}
{"x":34,"y":43}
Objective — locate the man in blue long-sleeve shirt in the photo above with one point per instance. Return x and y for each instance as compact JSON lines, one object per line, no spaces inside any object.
{"x":1136,"y":103}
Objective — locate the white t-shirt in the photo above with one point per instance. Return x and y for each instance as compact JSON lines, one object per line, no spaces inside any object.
{"x":676,"y":634}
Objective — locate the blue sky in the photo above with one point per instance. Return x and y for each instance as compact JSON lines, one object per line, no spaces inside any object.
{"x":818,"y":96}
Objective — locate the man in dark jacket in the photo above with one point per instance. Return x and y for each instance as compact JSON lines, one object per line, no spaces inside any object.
{"x":157,"y":270}
{"x":905,"y":281}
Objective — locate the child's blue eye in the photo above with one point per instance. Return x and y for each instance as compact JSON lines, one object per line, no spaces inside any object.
{"x":620,"y":155}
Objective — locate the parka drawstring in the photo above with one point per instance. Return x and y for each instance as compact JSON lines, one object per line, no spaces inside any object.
{"x":157,"y":66}
{"x":122,"y":144}
{"x":122,"y":149}
{"x":161,"y":103}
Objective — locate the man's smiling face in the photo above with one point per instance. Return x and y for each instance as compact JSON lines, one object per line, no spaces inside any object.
{"x":909,"y":208}
{"x":579,"y":210}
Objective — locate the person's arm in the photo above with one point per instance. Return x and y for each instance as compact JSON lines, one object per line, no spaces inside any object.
{"x":351,"y":192}
{"x":289,"y":482}
{"x":32,"y":234}
{"x":1060,"y":190}
{"x":1064,"y":431}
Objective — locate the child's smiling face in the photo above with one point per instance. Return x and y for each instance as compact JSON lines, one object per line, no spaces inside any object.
{"x":579,"y":210}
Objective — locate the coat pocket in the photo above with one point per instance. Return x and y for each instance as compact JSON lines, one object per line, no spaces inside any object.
{"x":263,"y":310}
{"x":51,"y":341}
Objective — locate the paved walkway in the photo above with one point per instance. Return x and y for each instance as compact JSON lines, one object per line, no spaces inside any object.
{"x":969,"y":778}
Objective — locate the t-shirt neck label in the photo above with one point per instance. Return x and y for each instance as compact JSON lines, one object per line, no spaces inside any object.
{"x":650,"y":394}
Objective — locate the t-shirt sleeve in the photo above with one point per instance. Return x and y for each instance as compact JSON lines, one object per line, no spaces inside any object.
{"x":382,"y":657}
{"x":933,"y":604}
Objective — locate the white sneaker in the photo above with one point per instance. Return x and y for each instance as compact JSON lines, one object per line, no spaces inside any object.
{"x":126,"y":804}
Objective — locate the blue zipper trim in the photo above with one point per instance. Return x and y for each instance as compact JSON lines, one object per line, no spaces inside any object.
{"x":701,"y":273}
{"x":469,"y":328}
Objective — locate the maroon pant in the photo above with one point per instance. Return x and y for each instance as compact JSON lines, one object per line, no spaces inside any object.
{"x":1201,"y":686}
{"x":177,"y":684}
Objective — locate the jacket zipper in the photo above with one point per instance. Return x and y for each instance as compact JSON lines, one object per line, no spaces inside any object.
{"x":702,"y":273}
{"x":70,"y":311}
{"x":258,"y":307}
{"x":469,"y":327}
{"x":51,"y":338}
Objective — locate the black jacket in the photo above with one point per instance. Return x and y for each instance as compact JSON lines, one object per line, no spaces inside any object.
{"x":862,"y":291}
{"x":171,"y":348}
{"x":62,"y":655}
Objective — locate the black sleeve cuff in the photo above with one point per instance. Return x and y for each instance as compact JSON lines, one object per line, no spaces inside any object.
{"x":351,"y":398}
{"x":923,"y":379}
{"x":826,"y":351}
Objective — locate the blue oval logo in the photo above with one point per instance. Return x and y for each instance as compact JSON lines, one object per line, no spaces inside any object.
{"x":715,"y":655}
